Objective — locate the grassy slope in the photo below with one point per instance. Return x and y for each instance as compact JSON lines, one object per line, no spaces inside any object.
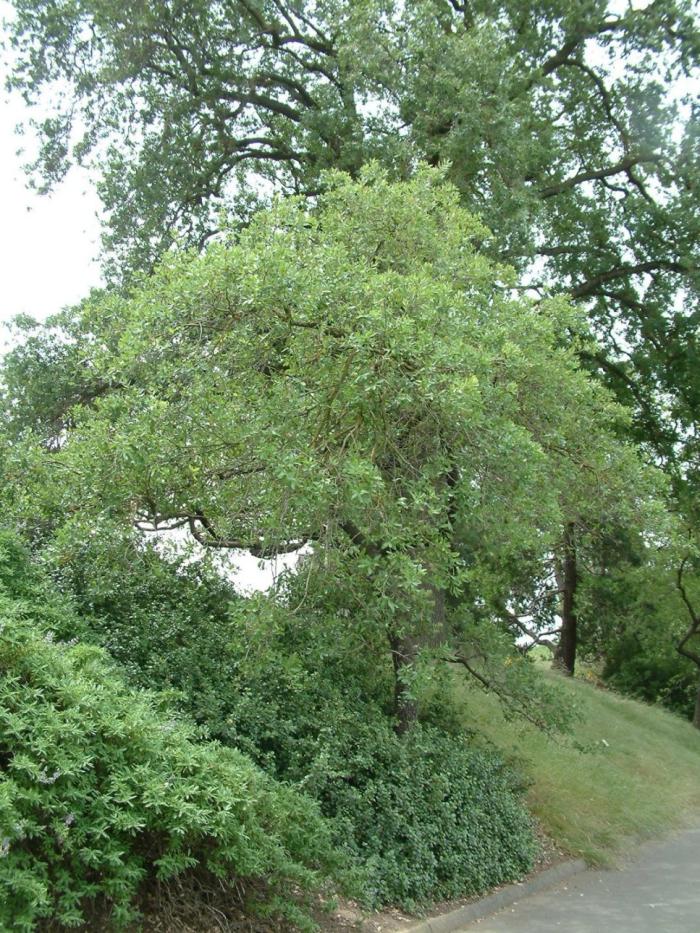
{"x":597,"y":804}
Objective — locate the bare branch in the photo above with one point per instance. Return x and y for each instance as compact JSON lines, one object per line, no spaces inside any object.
{"x":605,"y":98}
{"x":624,"y":165}
{"x":536,"y":637}
{"x":204,"y":533}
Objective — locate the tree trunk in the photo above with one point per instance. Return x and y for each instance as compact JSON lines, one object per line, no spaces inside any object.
{"x":567,"y":578}
{"x":696,"y":716}
{"x":404,"y":651}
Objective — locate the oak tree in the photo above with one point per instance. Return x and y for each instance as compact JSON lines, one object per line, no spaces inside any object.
{"x":570,"y":127}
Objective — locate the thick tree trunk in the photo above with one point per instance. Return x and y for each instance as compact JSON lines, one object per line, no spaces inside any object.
{"x":692,"y":632}
{"x":438,"y":629}
{"x":567,"y":578}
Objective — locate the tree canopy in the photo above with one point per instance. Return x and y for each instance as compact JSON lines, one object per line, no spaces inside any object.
{"x":569,"y":127}
{"x":370,"y":266}
{"x":361,"y":378}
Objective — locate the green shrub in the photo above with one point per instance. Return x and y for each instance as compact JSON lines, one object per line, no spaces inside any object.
{"x":661,"y":677}
{"x":103,"y":794}
{"x":426,"y":815}
{"x":165,"y":622}
{"x":308,"y":696}
{"x":422,"y":817}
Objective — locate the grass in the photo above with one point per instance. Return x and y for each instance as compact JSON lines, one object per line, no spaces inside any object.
{"x":642,"y":778}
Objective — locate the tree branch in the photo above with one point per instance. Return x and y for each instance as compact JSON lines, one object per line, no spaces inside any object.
{"x":694,"y":627}
{"x":624,"y":271}
{"x":207,"y":536}
{"x":527,"y":712}
{"x":624,"y":165}
{"x":286,"y":316}
{"x":605,"y":97}
{"x":537,"y":637}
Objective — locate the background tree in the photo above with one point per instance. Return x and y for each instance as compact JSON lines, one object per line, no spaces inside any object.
{"x":590,"y":535}
{"x":569,"y":127}
{"x":688,"y":643}
{"x":635,"y":616}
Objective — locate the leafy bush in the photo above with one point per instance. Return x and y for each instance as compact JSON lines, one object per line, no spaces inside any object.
{"x":166,"y":622}
{"x":250,"y":672}
{"x":103,"y":794}
{"x":426,"y":815}
{"x":308,"y":697}
{"x":631,"y":618}
{"x":654,"y":673}
{"x":422,"y":817}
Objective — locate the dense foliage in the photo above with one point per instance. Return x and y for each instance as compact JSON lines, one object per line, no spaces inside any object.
{"x":168,"y":623}
{"x":634,"y":619}
{"x":570,"y":128}
{"x":309,"y":698}
{"x":362,"y":368}
{"x":349,"y":369}
{"x":103,"y":792}
{"x":429,"y":817}
{"x":132,"y":794}
{"x":652,"y":672}
{"x":360,"y":378}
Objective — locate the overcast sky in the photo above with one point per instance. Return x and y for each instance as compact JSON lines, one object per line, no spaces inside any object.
{"x":48,"y":244}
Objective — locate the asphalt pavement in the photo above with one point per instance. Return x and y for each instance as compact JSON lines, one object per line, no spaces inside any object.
{"x":656,"y":892}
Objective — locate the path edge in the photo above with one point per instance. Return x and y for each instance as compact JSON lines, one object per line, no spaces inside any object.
{"x":506,"y":897}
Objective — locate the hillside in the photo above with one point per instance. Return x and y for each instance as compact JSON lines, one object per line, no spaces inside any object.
{"x":638,"y":777}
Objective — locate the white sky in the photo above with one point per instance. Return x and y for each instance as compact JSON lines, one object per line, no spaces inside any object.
{"x":48,"y":244}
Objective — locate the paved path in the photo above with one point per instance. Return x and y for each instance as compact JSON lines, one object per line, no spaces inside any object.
{"x":659,"y":892}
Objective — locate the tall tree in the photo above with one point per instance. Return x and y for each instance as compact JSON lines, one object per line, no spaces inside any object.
{"x":687,"y":644}
{"x":567,"y":581}
{"x":570,"y":127}
{"x":361,"y":378}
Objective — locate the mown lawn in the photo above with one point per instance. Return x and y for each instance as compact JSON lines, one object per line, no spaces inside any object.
{"x":642,"y":778}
